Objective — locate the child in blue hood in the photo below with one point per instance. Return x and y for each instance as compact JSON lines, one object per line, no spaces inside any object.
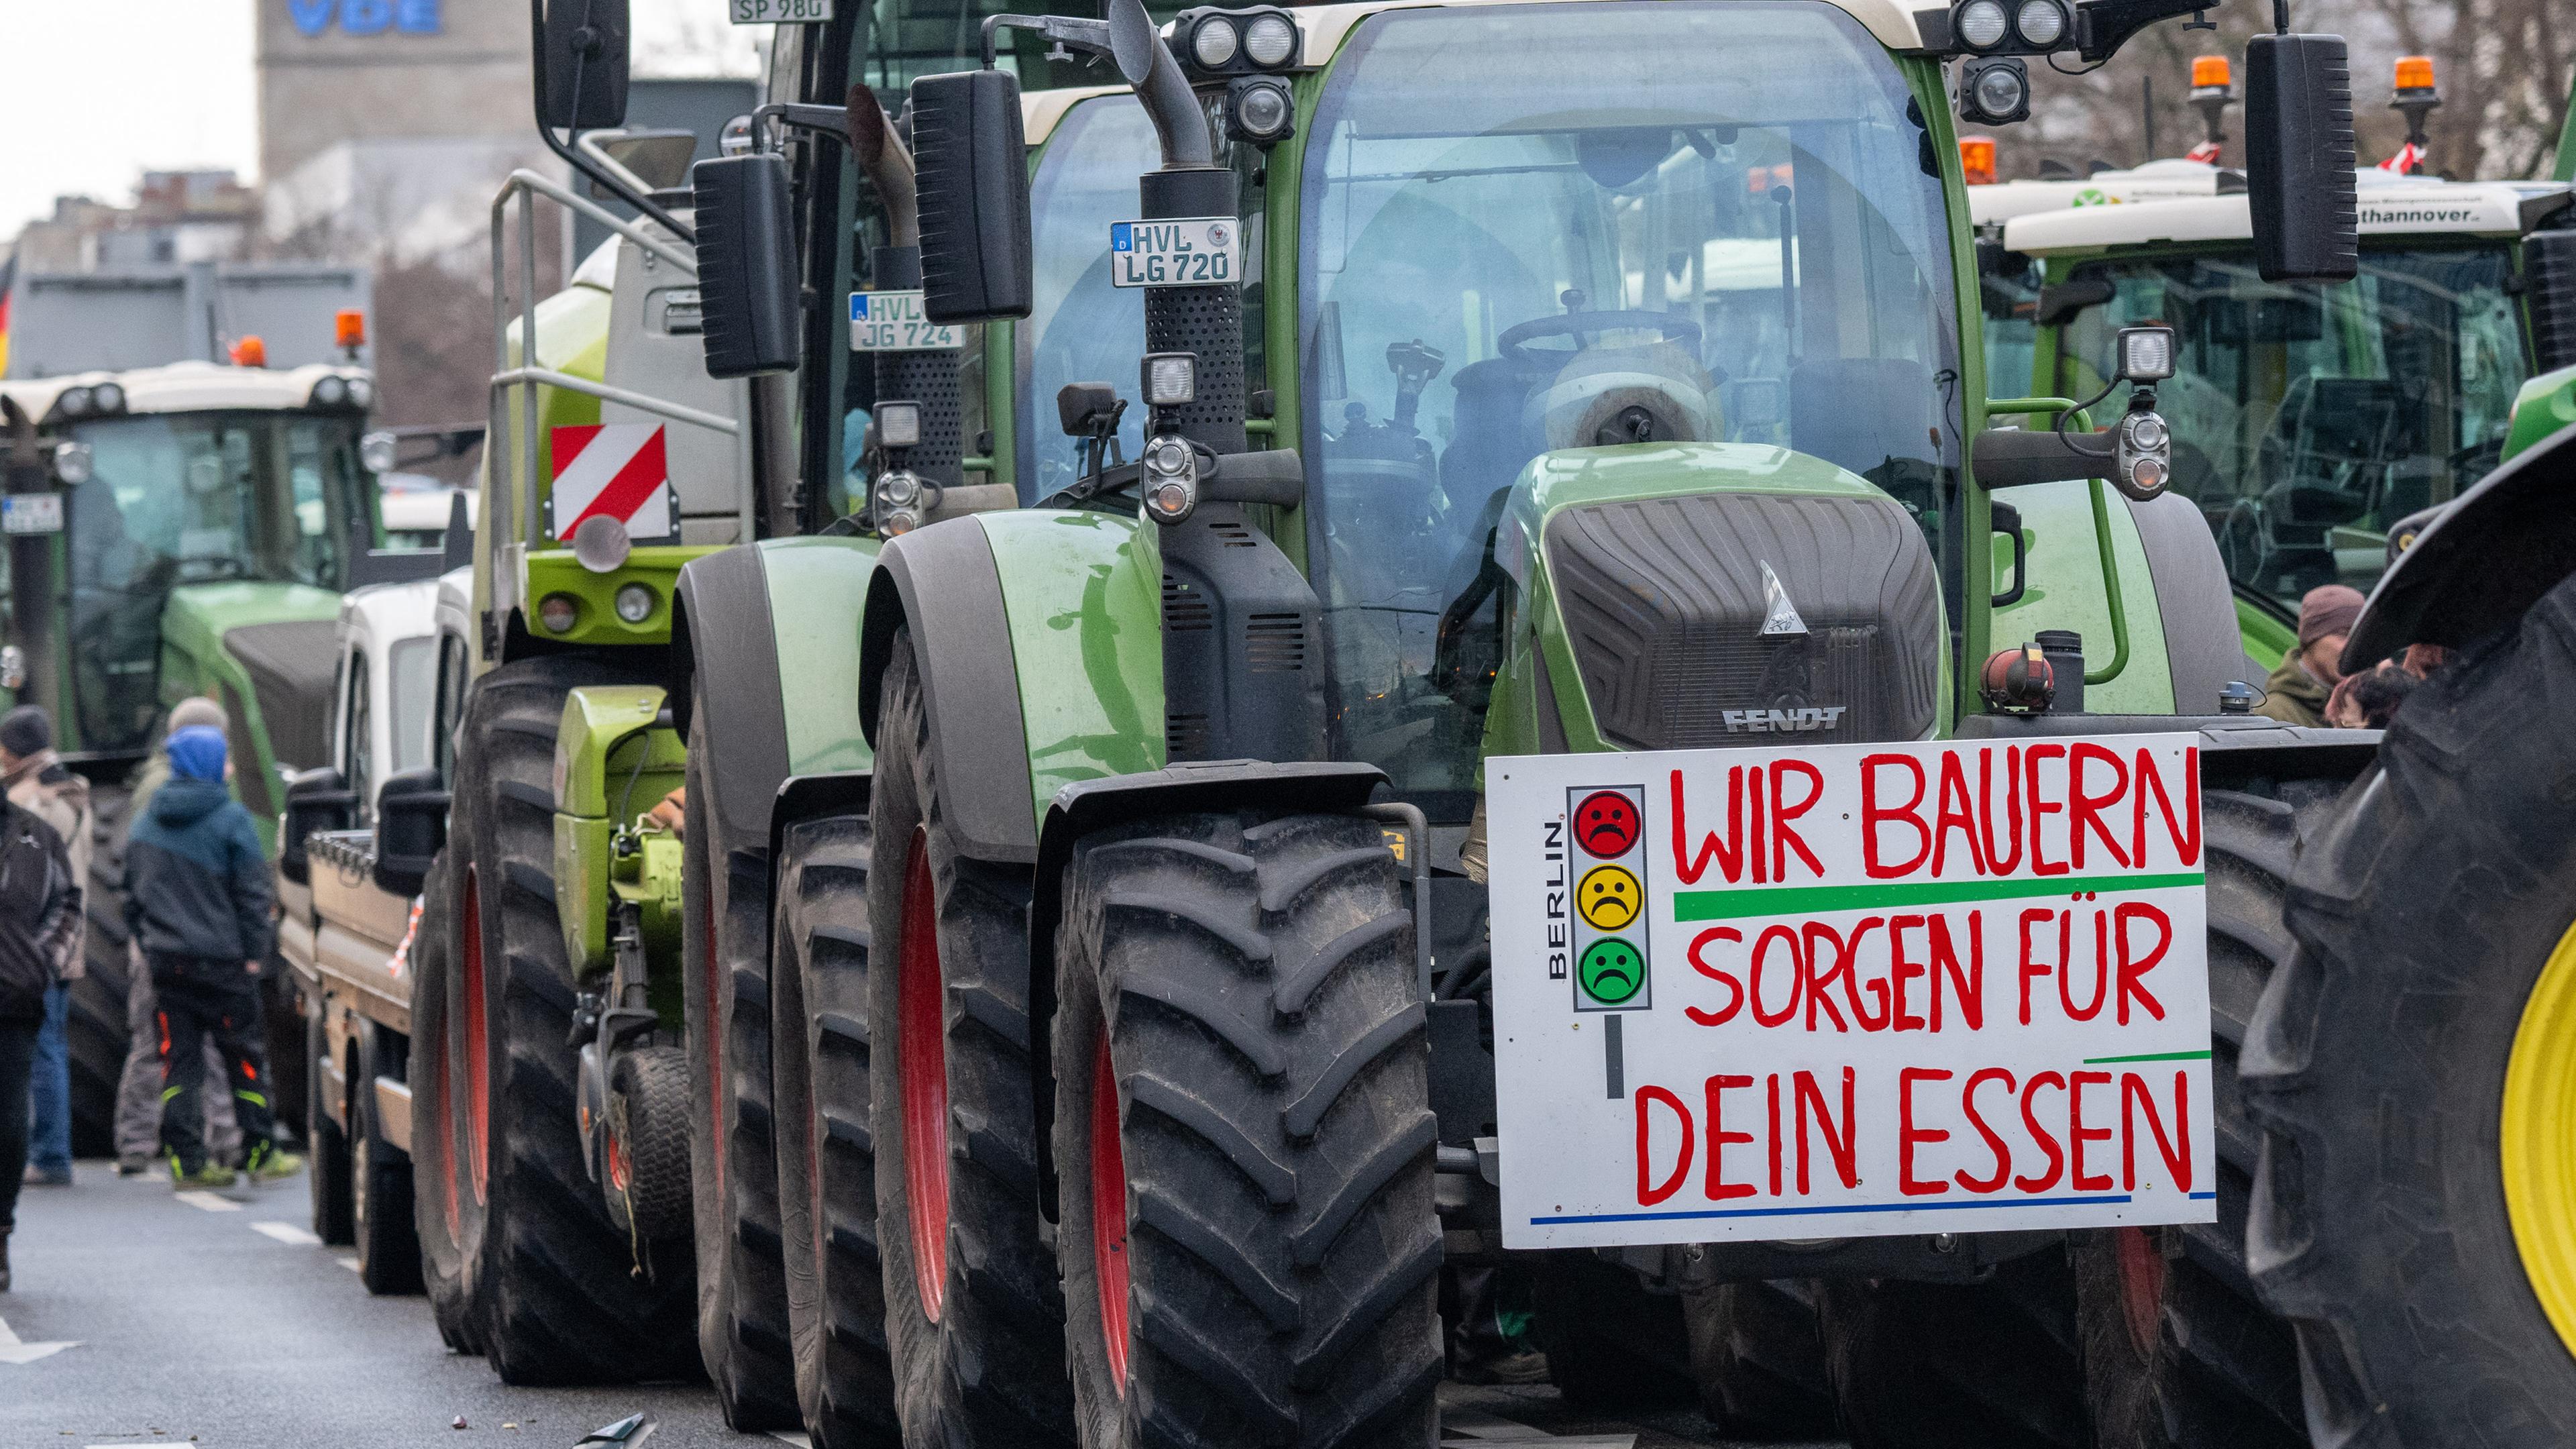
{"x":197,"y":901}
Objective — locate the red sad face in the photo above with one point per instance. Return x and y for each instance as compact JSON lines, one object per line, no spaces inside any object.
{"x":1605,"y":824}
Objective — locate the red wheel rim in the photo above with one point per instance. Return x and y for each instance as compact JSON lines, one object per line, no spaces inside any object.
{"x":2142,"y":1285}
{"x":713,"y":1036}
{"x":921,"y":1052}
{"x":478,"y":1065}
{"x":1109,"y":1215}
{"x":621,"y":1171}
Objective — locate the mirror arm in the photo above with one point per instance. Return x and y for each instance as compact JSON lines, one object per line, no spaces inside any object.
{"x":1090,"y":37}
{"x":2103,"y":26}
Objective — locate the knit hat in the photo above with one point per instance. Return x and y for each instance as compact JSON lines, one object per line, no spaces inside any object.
{"x":196,"y":709}
{"x":26,"y":730}
{"x":197,"y":753}
{"x":2328,"y":609}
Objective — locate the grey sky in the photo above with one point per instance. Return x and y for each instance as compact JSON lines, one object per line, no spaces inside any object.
{"x":97,"y":93}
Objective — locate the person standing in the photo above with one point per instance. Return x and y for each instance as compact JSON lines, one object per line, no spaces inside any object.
{"x":2296,"y":692}
{"x":39,"y":919}
{"x":37,"y":779}
{"x":197,"y":902}
{"x":138,"y":1091}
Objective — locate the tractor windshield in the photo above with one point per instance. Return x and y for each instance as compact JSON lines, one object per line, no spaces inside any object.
{"x":2307,"y":418}
{"x":1527,"y":228}
{"x":1080,"y":328}
{"x":186,"y":498}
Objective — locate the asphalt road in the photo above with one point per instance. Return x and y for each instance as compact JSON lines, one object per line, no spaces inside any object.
{"x":220,"y":1321}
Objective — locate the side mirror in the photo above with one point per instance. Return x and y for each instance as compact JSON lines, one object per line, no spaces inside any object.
{"x":971,"y":163}
{"x":747,"y":281}
{"x":315,"y":800}
{"x":2299,"y":159}
{"x":411,"y":828}
{"x":581,"y":64}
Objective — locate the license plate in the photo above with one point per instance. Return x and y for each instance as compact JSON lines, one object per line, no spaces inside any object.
{"x":31,"y":513}
{"x":895,"y":322}
{"x":1196,"y":252}
{"x":778,"y":12}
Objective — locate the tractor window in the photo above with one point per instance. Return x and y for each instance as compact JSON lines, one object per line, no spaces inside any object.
{"x":194,"y":498}
{"x":412,"y":665}
{"x":453,"y":671}
{"x":2308,"y":418}
{"x":357,"y":745}
{"x":1081,"y":329}
{"x":1524,"y":229}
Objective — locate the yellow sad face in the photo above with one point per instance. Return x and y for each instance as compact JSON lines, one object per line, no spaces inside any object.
{"x":1609,"y":897}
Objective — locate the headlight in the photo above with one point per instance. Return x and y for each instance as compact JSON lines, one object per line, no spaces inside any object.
{"x":1260,"y":111}
{"x":331,"y":392}
{"x":362,"y":393}
{"x":1170,"y":489}
{"x":1270,"y":40}
{"x":109,"y":397}
{"x":1980,"y":24}
{"x":74,"y":463}
{"x":76,"y":402}
{"x":1215,"y":42}
{"x":2041,"y":23}
{"x":635,"y":603}
{"x":558,"y":613}
{"x":2147,"y":432}
{"x":1171,"y":379}
{"x":898,"y":488}
{"x":899,"y":424}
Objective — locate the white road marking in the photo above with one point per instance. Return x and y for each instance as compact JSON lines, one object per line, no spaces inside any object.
{"x":787,"y":1436}
{"x":209,"y":1202}
{"x":287,"y":1233}
{"x":12,"y":1350}
{"x":349,"y":1263}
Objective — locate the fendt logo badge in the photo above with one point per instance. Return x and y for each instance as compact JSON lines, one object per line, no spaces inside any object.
{"x":1784,"y":721}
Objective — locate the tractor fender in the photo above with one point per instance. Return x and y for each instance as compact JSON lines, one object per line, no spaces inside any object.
{"x":2482,"y":563}
{"x":943,"y":582}
{"x":722,"y":635}
{"x":1181,"y":789}
{"x":2204,"y":647}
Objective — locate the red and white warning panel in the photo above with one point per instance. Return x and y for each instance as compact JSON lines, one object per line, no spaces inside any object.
{"x":612,"y":470}
{"x":1850,"y":989}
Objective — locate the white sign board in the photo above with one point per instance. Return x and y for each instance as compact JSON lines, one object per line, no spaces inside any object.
{"x":894,"y":322}
{"x":1850,"y":989}
{"x":776,"y":12}
{"x":1195,"y":252}
{"x":31,"y":513}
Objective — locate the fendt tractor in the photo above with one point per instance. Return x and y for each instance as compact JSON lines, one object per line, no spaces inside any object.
{"x":1175,"y":1093}
{"x":176,"y":530}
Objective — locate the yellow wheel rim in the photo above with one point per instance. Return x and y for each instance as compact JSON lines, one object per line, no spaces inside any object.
{"x":2539,"y":1139}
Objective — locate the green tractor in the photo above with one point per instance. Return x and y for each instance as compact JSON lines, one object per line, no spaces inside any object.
{"x":1126,"y":971}
{"x":174,"y":531}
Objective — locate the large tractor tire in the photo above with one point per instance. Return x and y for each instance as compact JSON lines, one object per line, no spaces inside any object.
{"x":95,"y":1028}
{"x":448,"y":1076}
{"x":827,"y":1193}
{"x":2179,"y":1352}
{"x":733,"y":1169}
{"x":1244,"y":1138}
{"x":1758,"y":1360}
{"x":1610,"y":1343}
{"x":974,"y":1312}
{"x":1991,"y":1365}
{"x":565,"y":1298}
{"x":2414,"y":1070}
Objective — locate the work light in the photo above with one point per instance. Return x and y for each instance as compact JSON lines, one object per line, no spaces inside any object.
{"x":1994,"y":91}
{"x":2040,"y":23}
{"x":899,"y":424}
{"x":331,"y":392}
{"x":601,"y":544}
{"x":1171,"y":378}
{"x":1979,"y":24}
{"x":1271,"y":41}
{"x":1259,"y":109}
{"x":109,"y":396}
{"x":76,"y":402}
{"x":380,"y":451}
{"x":362,"y":393}
{"x":1215,"y":42}
{"x":74,"y":463}
{"x":2146,"y":353}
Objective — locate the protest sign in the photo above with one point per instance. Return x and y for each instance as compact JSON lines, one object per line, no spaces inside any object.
{"x":1852,"y":989}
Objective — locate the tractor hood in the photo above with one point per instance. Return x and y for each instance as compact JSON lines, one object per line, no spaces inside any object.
{"x":265,"y":651}
{"x":1720,"y":593}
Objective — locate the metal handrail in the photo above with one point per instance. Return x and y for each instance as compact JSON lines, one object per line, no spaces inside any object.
{"x":525,"y":186}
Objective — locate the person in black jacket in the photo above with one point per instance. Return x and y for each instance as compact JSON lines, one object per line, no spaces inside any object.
{"x":197,"y":902}
{"x":39,"y":927}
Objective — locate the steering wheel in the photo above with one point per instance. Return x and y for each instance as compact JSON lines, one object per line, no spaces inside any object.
{"x":1584,"y":326}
